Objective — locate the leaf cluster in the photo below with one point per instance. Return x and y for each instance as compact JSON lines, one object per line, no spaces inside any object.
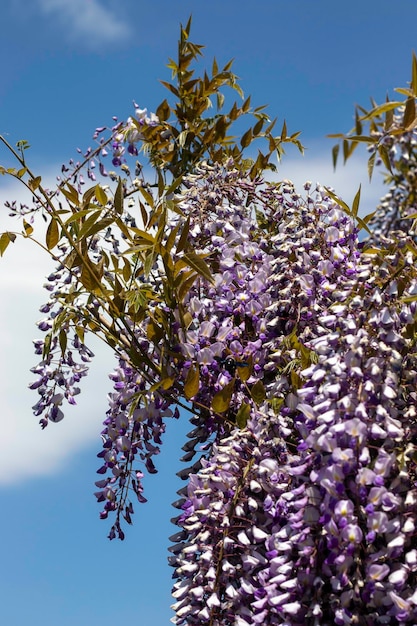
{"x":196,"y":127}
{"x":375,"y":127}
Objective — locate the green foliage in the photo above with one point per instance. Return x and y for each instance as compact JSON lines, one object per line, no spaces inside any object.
{"x":193,"y":125}
{"x":186,"y":133}
{"x":375,"y":126}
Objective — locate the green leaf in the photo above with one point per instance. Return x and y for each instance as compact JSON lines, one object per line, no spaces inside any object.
{"x":5,"y":239}
{"x":148,"y":196}
{"x":34,"y":183}
{"x":384,"y":154}
{"x":184,"y":236}
{"x":171,"y":87}
{"x":198,"y":264}
{"x":118,"y":198}
{"x":27,"y":228}
{"x":371,"y":164}
{"x":192,"y":383}
{"x":127,"y":269}
{"x":163,"y":111}
{"x":70,"y":193}
{"x":101,"y":195}
{"x":221,"y":400}
{"x":356,"y":200}
{"x":99,"y":226}
{"x":243,"y":415}
{"x":338,"y":201}
{"x":88,"y":223}
{"x":246,"y":138}
{"x":414,"y":74}
{"x":335,"y":154}
{"x":89,"y":278}
{"x":409,"y":117}
{"x":358,"y":124}
{"x":52,"y":234}
{"x":257,"y":392}
{"x":63,"y":341}
{"x":382,"y":108}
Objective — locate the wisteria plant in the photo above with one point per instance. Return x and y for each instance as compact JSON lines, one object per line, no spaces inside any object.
{"x":279,"y":322}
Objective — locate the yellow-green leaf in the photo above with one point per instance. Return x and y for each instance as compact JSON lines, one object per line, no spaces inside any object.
{"x":163,"y":111}
{"x":70,"y":193}
{"x":192,"y":383}
{"x":382,"y":108}
{"x":243,"y":415}
{"x":257,"y":392}
{"x":28,"y":228}
{"x":371,"y":164}
{"x":244,"y":371}
{"x":34,"y":183}
{"x":221,"y":400}
{"x":63,"y":341}
{"x":409,"y":117}
{"x":5,"y":239}
{"x":198,"y":264}
{"x":118,"y":197}
{"x":52,"y":234}
{"x":335,"y":154}
{"x":356,"y":200}
{"x":246,"y":138}
{"x":101,"y":195}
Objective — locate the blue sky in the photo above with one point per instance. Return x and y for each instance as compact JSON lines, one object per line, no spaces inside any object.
{"x":67,"y":67}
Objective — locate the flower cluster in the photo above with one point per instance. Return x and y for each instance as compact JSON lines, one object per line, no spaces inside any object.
{"x":228,"y":558}
{"x":59,"y":372}
{"x":133,"y":429}
{"x":397,"y":207}
{"x":357,"y":426}
{"x":296,"y":355}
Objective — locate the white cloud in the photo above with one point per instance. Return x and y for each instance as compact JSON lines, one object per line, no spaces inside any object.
{"x":87,"y":21}
{"x":316,"y":166}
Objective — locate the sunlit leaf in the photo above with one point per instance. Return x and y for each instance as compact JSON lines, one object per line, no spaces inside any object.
{"x":192,"y":383}
{"x":5,"y":239}
{"x":246,"y":138}
{"x":335,"y":154}
{"x":243,"y":415}
{"x":28,"y":228}
{"x":163,"y":111}
{"x":52,"y":234}
{"x":355,"y":204}
{"x":118,"y":198}
{"x":384,"y":154}
{"x":34,"y":183}
{"x":257,"y":392}
{"x":199,"y":265}
{"x":101,"y":195}
{"x":70,"y":193}
{"x":221,"y":400}
{"x":371,"y":164}
{"x":63,"y":340}
{"x":409,"y":117}
{"x":382,"y":108}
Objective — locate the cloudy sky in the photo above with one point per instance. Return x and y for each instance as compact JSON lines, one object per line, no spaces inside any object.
{"x":68,"y":66}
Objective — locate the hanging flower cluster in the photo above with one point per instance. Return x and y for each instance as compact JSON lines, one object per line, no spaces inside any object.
{"x":59,"y":372}
{"x":296,"y":356}
{"x":257,"y":310}
{"x":333,"y":448}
